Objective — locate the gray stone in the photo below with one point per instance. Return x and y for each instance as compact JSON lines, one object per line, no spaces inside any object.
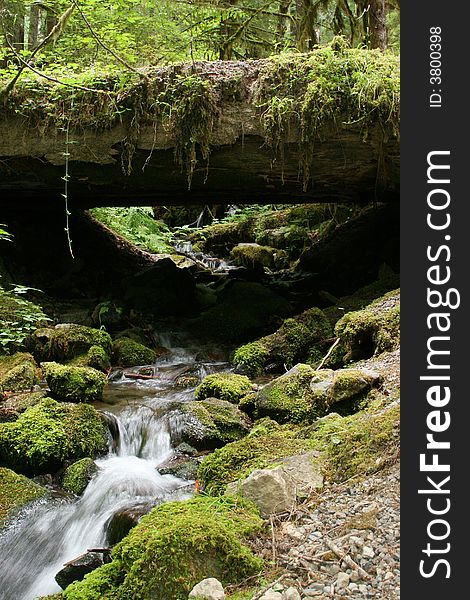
{"x":208,"y":589}
{"x":305,"y":471}
{"x":272,"y":595}
{"x":342,"y":581}
{"x":368,"y":552}
{"x":291,"y":593}
{"x":272,"y":490}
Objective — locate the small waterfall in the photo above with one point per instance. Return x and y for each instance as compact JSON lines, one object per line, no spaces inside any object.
{"x":34,"y":548}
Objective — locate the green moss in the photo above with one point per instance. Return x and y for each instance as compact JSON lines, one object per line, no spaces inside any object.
{"x":373,"y":330}
{"x":358,"y":444}
{"x":263,"y":446}
{"x":48,"y":434}
{"x":96,"y":357}
{"x":253,"y":256}
{"x":129,"y":353}
{"x":225,"y":386}
{"x":174,"y":547}
{"x":327,"y":89}
{"x":77,"y":476}
{"x":251,"y":358}
{"x":15,"y":404}
{"x":74,"y":384}
{"x":18,"y":372}
{"x":16,"y":491}
{"x":290,"y":343}
{"x":66,"y":342}
{"x":213,"y":423}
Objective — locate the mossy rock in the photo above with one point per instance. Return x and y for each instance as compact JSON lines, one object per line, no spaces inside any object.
{"x":67,"y":341}
{"x":302,"y":394}
{"x":18,"y":372}
{"x":129,"y":353}
{"x":50,"y":433}
{"x":222,"y":237}
{"x":266,"y":444}
{"x":210,"y":423}
{"x":15,"y":492}
{"x":293,"y":341}
{"x":224,"y":386}
{"x":96,"y":357}
{"x":371,"y":331}
{"x":74,"y":384}
{"x":15,"y":404}
{"x":253,"y":256}
{"x":77,"y":475}
{"x":174,"y":547}
{"x":244,"y":310}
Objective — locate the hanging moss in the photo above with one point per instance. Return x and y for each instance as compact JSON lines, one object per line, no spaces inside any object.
{"x":325,"y":90}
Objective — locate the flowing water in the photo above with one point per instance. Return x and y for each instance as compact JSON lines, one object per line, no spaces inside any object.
{"x":53,"y":531}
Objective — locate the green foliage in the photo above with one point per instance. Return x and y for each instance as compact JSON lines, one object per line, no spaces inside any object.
{"x":137,"y":225}
{"x":225,"y":386}
{"x":74,"y":384}
{"x":49,"y":433}
{"x":19,"y":318}
{"x":174,"y":547}
{"x":16,"y":491}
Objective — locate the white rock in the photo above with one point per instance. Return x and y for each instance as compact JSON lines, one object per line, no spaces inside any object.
{"x":208,"y":589}
{"x":291,"y":594}
{"x":272,"y":490}
{"x":271,"y":595}
{"x":367,"y":552}
{"x":342,"y":581}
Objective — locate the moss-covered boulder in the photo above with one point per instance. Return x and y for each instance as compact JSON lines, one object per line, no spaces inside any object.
{"x":295,"y":340}
{"x":222,"y":237}
{"x":67,"y":341}
{"x":96,"y":357}
{"x":129,"y":353}
{"x":253,"y":256}
{"x":15,"y":404}
{"x":16,"y":491}
{"x":371,"y":331}
{"x":244,"y":310}
{"x":266,"y":444}
{"x":77,"y":476}
{"x":18,"y":372}
{"x":225,"y":386}
{"x":210,"y":423}
{"x":50,"y":433}
{"x":174,"y":547}
{"x":302,"y":394}
{"x":74,"y":384}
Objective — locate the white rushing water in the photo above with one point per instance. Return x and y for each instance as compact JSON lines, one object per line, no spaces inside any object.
{"x":51,"y":533}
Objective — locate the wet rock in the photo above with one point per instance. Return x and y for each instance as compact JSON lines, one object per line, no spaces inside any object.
{"x":184,"y":448}
{"x":210,"y":423}
{"x":119,"y":525}
{"x":207,"y":589}
{"x":14,"y":405}
{"x":184,"y":467}
{"x":18,"y":372}
{"x":76,"y":569}
{"x":272,"y":490}
{"x":74,"y":384}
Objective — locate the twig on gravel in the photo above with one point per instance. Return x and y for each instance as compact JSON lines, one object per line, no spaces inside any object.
{"x":258,"y":595}
{"x":346,"y":558}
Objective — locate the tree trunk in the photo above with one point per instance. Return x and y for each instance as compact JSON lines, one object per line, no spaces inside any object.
{"x":378,"y":24}
{"x":34,"y":23}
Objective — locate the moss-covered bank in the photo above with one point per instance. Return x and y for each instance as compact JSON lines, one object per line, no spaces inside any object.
{"x":16,"y":491}
{"x":173,"y":548}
